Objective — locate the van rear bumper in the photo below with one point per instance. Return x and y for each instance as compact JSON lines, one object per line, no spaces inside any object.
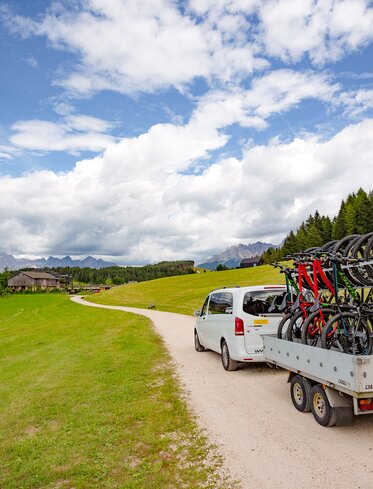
{"x":253,"y":357}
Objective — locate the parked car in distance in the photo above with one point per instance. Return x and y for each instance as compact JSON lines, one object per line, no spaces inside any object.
{"x":233,"y":320}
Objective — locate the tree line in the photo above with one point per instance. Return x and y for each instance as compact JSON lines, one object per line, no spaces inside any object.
{"x":355,"y":216}
{"x":120,"y":275}
{"x":109,"y":276}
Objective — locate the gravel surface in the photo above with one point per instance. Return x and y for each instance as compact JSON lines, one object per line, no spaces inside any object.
{"x":248,"y":413}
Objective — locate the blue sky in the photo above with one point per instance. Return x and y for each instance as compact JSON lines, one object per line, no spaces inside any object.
{"x":141,"y":131}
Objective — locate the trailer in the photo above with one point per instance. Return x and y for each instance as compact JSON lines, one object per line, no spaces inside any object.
{"x":335,"y":386}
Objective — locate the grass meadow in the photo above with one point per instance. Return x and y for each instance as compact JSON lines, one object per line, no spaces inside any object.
{"x":185,"y":294}
{"x":88,"y":399}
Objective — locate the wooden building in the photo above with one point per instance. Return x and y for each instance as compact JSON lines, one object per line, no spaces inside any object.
{"x":33,"y":280}
{"x":251,"y":262}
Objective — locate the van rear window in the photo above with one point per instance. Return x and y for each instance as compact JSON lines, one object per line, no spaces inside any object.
{"x":259,"y":302}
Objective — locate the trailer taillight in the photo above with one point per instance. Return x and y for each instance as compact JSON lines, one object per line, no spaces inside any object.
{"x":238,"y":327}
{"x":366,"y":404}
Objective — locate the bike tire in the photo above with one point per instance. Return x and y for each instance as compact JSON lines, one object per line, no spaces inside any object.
{"x":358,"y":252}
{"x":313,"y":326}
{"x":340,"y":245}
{"x":342,"y":330}
{"x":283,"y":325}
{"x":368,"y":256}
{"x":295,"y":326}
{"x":348,"y":252}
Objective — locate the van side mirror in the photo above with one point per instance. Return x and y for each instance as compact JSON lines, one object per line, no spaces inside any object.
{"x":196,"y":314}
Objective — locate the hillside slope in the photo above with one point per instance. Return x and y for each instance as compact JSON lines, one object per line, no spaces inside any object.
{"x":185,"y":294}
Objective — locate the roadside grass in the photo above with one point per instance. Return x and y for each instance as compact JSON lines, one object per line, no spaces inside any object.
{"x":185,"y":293}
{"x":88,"y":399}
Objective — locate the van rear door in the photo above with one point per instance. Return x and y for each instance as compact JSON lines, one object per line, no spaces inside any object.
{"x":258,"y":319}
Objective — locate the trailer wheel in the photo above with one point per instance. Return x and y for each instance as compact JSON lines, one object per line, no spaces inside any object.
{"x":322,"y":411}
{"x":300,"y":391}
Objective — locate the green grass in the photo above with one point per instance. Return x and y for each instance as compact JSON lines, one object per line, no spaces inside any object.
{"x":185,"y":293}
{"x":88,"y":399}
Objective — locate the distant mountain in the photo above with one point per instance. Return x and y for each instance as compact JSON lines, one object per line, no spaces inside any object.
{"x":12,"y":263}
{"x":232,"y":257}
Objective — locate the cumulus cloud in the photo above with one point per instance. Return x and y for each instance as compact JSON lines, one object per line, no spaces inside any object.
{"x":75,"y":133}
{"x":274,"y":92}
{"x":132,"y":46}
{"x":158,"y":196}
{"x":324,"y":29}
{"x":136,"y":201}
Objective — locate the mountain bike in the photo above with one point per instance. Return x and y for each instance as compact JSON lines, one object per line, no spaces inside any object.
{"x":313,"y":326}
{"x":350,"y":331}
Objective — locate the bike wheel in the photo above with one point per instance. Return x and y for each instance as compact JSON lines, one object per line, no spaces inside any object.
{"x":368,"y":256}
{"x":294,"y":329}
{"x":283,"y":326}
{"x":329,"y":245}
{"x":347,"y":332}
{"x":313,"y":326}
{"x":351,"y":273}
{"x":358,"y":252}
{"x":341,"y":245}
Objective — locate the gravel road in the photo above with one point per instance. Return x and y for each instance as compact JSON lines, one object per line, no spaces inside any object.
{"x":266,"y":443}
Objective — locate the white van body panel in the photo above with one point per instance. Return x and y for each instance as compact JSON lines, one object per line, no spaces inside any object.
{"x":216,"y":321}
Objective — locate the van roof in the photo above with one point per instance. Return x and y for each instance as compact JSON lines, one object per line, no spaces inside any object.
{"x":250,"y":288}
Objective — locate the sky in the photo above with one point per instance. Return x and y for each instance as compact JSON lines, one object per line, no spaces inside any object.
{"x":147,"y":130}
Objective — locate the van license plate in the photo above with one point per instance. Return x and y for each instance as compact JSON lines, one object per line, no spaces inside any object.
{"x":260,"y":322}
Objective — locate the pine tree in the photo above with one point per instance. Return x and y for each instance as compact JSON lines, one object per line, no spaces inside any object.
{"x":364,"y":223}
{"x":339,"y":226}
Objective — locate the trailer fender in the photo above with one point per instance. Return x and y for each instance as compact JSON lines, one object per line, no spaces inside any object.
{"x":342,"y":405}
{"x":337,"y":399}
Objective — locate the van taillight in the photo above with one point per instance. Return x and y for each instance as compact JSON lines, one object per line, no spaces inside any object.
{"x":238,"y":327}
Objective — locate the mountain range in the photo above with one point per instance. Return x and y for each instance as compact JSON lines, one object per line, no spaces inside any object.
{"x":232,"y":256}
{"x":12,"y":263}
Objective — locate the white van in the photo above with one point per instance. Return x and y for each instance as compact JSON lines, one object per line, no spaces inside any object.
{"x":233,"y":320}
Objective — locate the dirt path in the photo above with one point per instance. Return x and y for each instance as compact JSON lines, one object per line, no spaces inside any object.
{"x":266,"y":443}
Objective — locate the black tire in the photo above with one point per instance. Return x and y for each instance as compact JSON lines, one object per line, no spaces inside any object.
{"x":321,"y":409}
{"x":368,"y":256}
{"x":313,"y":326}
{"x":294,"y":329}
{"x":300,"y":392}
{"x":347,"y":333}
{"x":327,"y":246}
{"x":358,"y":252}
{"x":197,"y":343}
{"x":228,"y":364}
{"x":283,"y":326}
{"x":342,"y":244}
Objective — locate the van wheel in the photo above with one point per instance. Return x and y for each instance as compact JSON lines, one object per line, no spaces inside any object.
{"x":226,"y":360}
{"x":300,"y":389}
{"x":197,"y":344}
{"x":320,"y":407}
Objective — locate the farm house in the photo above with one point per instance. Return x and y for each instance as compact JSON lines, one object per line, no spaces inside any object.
{"x":33,"y":280}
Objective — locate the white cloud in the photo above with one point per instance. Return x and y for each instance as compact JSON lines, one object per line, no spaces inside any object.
{"x":139,"y":199}
{"x":31,"y":61}
{"x":275,"y":92}
{"x":133,"y":47}
{"x":137,"y":203}
{"x":324,"y":29}
{"x":357,"y":102}
{"x":127,"y":46}
{"x":73,"y":134}
{"x":7,"y":152}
